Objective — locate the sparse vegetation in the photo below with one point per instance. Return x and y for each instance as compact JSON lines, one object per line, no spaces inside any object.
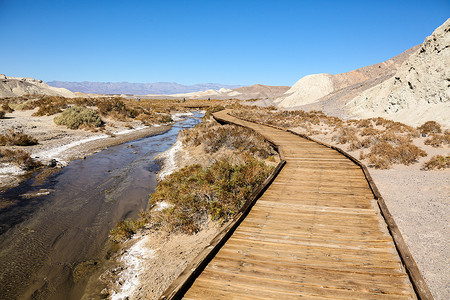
{"x":438,"y":140}
{"x":387,"y":142}
{"x":437,"y":162}
{"x":6,"y":108}
{"x":16,"y":138}
{"x":18,"y":157}
{"x":214,"y":137}
{"x":430,"y":127}
{"x":76,"y":117}
{"x":2,"y":114}
{"x":216,"y":190}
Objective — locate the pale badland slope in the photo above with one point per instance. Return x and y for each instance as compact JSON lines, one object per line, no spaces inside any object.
{"x":420,"y":89}
{"x":323,"y":87}
{"x":18,"y":86}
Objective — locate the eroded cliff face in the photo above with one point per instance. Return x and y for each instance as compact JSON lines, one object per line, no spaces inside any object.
{"x":420,"y":89}
{"x":339,"y":88}
{"x":18,"y":86}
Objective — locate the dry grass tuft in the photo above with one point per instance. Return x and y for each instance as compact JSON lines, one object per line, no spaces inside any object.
{"x":437,"y":162}
{"x":430,"y":127}
{"x":438,"y":140}
{"x":19,"y":158}
{"x":16,"y":138}
{"x":383,"y":154}
{"x":214,"y":137}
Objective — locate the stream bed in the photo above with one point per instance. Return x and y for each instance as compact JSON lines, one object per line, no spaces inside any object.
{"x":61,"y":223}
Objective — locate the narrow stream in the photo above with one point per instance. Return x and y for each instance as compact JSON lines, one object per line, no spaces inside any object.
{"x":43,"y":239}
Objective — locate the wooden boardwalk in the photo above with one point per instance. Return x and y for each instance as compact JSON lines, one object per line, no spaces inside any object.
{"x":316,"y":233}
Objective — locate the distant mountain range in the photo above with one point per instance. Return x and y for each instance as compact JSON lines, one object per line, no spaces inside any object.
{"x":159,"y":88}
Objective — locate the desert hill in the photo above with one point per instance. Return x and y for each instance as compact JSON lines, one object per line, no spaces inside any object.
{"x":320,"y":87}
{"x":18,"y":86}
{"x":419,"y":90}
{"x":256,"y":91}
{"x":158,"y":88}
{"x":412,"y":87}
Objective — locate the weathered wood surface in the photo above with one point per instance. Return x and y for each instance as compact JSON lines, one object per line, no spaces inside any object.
{"x":316,"y":232}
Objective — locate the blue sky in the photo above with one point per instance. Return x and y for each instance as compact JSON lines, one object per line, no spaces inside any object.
{"x":230,"y":42}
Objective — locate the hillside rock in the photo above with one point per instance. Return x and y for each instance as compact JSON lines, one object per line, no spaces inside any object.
{"x":18,"y":86}
{"x":420,"y":89}
{"x":327,"y":90}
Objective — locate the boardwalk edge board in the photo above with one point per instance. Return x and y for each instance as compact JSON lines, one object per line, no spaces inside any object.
{"x":183,"y":282}
{"x":416,"y":278}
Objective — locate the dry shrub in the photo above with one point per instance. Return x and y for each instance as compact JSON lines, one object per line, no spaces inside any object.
{"x":438,"y":140}
{"x":2,"y":114}
{"x":213,"y":137}
{"x":49,"y":105}
{"x":383,"y":155}
{"x":370,"y":131}
{"x":150,"y":118}
{"x":345,"y":135}
{"x":364,"y":123}
{"x":218,"y":191}
{"x":19,"y":158}
{"x":430,"y":127}
{"x":116,"y":109}
{"x":6,"y":107}
{"x":16,"y":138}
{"x":437,"y":162}
{"x":76,"y":117}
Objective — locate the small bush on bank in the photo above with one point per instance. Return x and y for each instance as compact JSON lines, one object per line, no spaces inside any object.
{"x":437,"y":162}
{"x":18,"y":157}
{"x":2,"y":114}
{"x":15,"y":138}
{"x":76,"y":117}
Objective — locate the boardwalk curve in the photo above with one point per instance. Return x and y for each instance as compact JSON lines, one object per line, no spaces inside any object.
{"x":316,"y":232}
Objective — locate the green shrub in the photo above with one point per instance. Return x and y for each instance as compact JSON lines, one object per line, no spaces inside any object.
{"x":76,"y":117}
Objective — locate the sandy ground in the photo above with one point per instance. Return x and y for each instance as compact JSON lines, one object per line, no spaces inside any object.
{"x":420,"y":203}
{"x":62,"y":144}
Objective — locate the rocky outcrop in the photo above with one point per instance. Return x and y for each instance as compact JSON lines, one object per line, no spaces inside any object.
{"x":18,"y":86}
{"x":420,"y":89}
{"x":339,"y":88}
